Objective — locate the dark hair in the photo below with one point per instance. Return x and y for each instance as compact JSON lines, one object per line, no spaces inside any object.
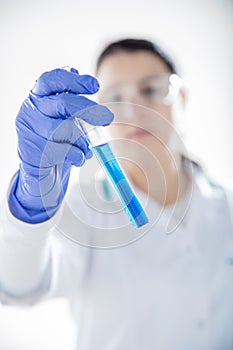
{"x":133,"y":45}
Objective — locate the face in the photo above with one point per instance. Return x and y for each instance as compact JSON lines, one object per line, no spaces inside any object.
{"x":135,"y":87}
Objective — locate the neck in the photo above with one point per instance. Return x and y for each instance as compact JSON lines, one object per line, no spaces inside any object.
{"x":166,"y":181}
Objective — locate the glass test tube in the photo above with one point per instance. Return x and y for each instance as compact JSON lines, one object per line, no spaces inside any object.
{"x":101,"y":149}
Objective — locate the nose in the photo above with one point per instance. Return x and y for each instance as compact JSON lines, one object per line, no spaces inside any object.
{"x":131,"y":104}
{"x":131,"y":110}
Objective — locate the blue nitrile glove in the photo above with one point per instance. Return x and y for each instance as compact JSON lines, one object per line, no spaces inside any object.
{"x":49,"y":142}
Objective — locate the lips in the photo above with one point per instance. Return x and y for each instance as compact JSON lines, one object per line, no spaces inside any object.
{"x":137,"y":133}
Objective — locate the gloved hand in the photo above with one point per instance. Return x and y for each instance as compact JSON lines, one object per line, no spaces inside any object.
{"x":49,"y":141}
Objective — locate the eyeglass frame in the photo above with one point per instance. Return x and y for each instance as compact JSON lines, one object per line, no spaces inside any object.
{"x":174,"y":85}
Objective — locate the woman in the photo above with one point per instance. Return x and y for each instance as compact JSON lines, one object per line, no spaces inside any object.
{"x":162,"y":291}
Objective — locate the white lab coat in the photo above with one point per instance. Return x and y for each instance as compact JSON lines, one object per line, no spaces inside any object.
{"x":148,"y":289}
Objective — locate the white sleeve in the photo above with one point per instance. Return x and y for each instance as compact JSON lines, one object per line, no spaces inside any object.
{"x":24,"y":258}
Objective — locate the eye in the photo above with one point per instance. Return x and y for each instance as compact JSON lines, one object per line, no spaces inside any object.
{"x":151,"y":91}
{"x":112,"y":97}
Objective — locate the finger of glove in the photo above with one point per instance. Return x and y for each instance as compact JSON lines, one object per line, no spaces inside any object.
{"x":32,"y":124}
{"x":41,"y":152}
{"x":75,"y":157}
{"x":58,"y":130}
{"x":64,"y":154}
{"x":56,"y":154}
{"x":68,"y":153}
{"x":69,"y":133}
{"x":60,"y":80}
{"x":67,"y":105}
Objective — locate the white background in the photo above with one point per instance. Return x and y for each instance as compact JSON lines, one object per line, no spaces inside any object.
{"x":37,"y":36}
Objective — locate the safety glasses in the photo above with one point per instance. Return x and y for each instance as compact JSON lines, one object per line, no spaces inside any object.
{"x":150,"y":90}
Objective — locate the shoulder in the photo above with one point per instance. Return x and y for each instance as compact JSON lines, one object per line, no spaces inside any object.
{"x":216,"y":192}
{"x":228,"y":192}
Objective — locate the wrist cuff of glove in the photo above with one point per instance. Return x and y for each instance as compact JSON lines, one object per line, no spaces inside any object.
{"x":33,"y":210}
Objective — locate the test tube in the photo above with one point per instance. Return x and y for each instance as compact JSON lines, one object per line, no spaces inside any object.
{"x":104,"y":154}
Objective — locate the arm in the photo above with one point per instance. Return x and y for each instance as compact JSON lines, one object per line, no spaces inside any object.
{"x":49,"y":143}
{"x":25,"y":266}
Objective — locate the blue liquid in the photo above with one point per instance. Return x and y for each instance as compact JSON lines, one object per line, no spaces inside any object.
{"x":128,"y":198}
